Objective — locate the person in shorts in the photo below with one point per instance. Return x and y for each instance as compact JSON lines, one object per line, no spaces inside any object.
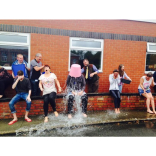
{"x":144,"y":90}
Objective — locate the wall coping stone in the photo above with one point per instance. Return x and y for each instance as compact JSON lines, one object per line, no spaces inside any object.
{"x":89,"y":94}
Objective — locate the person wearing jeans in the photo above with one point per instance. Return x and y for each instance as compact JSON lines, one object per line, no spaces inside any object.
{"x":144,"y":89}
{"x":47,"y":85}
{"x":114,"y":80}
{"x":35,"y":72}
{"x":23,"y":87}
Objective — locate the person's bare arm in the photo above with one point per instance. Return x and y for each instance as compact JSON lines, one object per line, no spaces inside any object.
{"x":13,"y":75}
{"x":28,"y":97}
{"x":141,"y":84}
{"x":38,"y":68}
{"x":27,"y":68}
{"x":15,"y":83}
{"x":152,"y":84}
{"x":40,"y":86}
{"x":58,"y":85}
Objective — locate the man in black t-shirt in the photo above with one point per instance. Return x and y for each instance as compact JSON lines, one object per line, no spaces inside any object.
{"x":23,"y":88}
{"x":35,"y":72}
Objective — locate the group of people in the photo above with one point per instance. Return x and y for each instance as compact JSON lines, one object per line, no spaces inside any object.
{"x":45,"y":81}
{"x":76,"y":82}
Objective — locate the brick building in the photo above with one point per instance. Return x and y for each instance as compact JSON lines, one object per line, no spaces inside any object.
{"x":106,"y":43}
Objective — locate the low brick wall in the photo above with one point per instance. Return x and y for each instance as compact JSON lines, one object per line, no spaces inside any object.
{"x":101,"y":101}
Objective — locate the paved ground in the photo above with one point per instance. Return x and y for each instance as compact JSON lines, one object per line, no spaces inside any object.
{"x":62,"y":121}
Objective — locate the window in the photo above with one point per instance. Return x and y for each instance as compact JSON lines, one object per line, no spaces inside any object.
{"x":12,"y":44}
{"x":151,"y":57}
{"x":91,"y":49}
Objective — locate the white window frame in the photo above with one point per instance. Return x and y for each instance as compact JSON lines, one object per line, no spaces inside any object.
{"x":149,"y":52}
{"x":17,"y":44}
{"x":86,"y":48}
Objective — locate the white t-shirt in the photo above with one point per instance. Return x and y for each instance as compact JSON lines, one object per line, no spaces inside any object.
{"x":48,"y":83}
{"x":146,"y":84}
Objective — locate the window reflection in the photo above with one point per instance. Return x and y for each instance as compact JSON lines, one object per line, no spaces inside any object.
{"x":77,"y":57}
{"x":13,"y":38}
{"x":9,"y":53}
{"x":150,"y":62}
{"x":91,"y":44}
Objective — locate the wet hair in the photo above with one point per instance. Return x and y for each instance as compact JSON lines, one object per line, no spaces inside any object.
{"x":46,"y":66}
{"x":115,"y":70}
{"x":149,"y":74}
{"x":120,"y":71}
{"x":85,"y":60}
{"x":20,"y":73}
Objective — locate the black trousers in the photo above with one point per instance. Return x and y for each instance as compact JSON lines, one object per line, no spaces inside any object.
{"x":93,"y":86}
{"x":4,"y":83}
{"x":84,"y":100}
{"x":116,"y":95}
{"x":49,"y":98}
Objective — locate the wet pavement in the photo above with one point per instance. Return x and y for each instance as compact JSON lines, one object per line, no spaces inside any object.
{"x":96,"y":117}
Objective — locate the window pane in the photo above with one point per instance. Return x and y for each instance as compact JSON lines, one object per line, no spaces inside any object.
{"x":91,"y":44}
{"x":13,"y":38}
{"x":150,"y":62}
{"x":152,"y":47}
{"x":8,"y":54}
{"x":77,"y":57}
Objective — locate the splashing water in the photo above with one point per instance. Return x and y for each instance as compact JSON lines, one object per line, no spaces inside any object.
{"x":40,"y":129}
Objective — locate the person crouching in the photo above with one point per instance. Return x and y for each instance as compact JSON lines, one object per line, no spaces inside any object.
{"x":23,"y":88}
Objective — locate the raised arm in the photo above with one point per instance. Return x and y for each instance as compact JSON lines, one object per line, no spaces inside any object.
{"x":38,"y":68}
{"x":15,"y":83}
{"x":111,"y":79}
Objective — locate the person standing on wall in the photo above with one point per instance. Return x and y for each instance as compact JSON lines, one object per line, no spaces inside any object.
{"x":20,"y":60}
{"x":23,"y":92}
{"x":90,"y":73}
{"x":114,"y":80}
{"x":144,"y":90}
{"x":122,"y":74}
{"x":35,"y":72}
{"x":47,"y":85}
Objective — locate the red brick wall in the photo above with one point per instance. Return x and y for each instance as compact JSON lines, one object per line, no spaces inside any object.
{"x":55,"y":52}
{"x":106,"y":26}
{"x":94,"y":103}
{"x":130,"y":53}
{"x":55,"y":49}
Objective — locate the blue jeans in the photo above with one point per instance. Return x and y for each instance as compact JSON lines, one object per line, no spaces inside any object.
{"x":35,"y":88}
{"x":16,"y":98}
{"x":120,"y":88}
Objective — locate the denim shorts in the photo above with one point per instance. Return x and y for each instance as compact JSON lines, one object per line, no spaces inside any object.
{"x":141,"y":91}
